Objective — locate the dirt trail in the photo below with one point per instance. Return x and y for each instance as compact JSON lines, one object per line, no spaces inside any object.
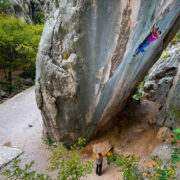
{"x":16,"y":116}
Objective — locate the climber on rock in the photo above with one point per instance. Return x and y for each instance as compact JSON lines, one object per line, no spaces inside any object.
{"x":99,"y":161}
{"x":152,"y":37}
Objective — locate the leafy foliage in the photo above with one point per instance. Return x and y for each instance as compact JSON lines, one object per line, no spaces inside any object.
{"x":18,"y":44}
{"x":165,"y":55}
{"x":160,"y":171}
{"x":65,"y":56}
{"x":68,"y":163}
{"x":16,"y":173}
{"x":177,"y":131}
{"x":47,"y":142}
{"x":175,"y":157}
{"x":165,"y":171}
{"x":128,"y":166}
{"x":175,"y":111}
{"x":140,"y":93}
{"x":4,"y":4}
{"x":176,"y":38}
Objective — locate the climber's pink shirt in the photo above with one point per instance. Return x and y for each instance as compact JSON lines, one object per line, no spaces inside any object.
{"x":151,"y":39}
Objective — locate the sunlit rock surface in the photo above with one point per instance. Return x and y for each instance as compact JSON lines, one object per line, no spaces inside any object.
{"x":85,"y":66}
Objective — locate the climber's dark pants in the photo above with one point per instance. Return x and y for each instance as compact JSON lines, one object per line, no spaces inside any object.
{"x":98,"y":169}
{"x":142,"y":46}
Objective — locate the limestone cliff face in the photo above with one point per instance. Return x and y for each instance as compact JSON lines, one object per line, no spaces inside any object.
{"x":167,"y":117}
{"x":26,"y":10}
{"x":161,"y":75}
{"x":163,"y":86}
{"x":85,"y":66}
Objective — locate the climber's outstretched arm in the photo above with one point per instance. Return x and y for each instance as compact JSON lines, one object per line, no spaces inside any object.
{"x":154,"y":28}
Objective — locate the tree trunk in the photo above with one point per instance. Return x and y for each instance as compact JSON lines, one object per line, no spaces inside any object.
{"x":10,"y":70}
{"x":10,"y":81}
{"x":5,"y":74}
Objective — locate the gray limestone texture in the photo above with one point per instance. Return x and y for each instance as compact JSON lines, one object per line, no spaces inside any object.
{"x":167,"y":116}
{"x":30,"y":11}
{"x":160,"y":78}
{"x":85,"y":66}
{"x":7,"y":154}
{"x":163,"y":152}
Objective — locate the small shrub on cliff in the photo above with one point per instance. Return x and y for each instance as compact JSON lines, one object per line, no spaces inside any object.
{"x":164,"y":55}
{"x":65,"y":56}
{"x":176,"y":38}
{"x":161,"y":171}
{"x":175,"y":111}
{"x":140,"y":93}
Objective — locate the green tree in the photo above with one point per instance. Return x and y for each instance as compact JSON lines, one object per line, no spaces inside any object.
{"x":18,"y":44}
{"x":5,"y":4}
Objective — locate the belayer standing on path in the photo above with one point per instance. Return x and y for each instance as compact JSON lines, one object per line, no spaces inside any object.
{"x":152,"y":37}
{"x":99,"y":161}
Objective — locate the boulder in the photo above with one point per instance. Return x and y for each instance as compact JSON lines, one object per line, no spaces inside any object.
{"x":99,"y":147}
{"x":160,"y":79}
{"x":178,"y":174}
{"x":163,"y":133}
{"x":7,"y":154}
{"x":163,"y":152}
{"x":150,"y":85}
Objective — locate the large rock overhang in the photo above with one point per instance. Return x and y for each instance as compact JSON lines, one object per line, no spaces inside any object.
{"x":98,"y":38}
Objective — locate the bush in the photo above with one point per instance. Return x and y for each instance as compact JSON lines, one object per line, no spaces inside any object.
{"x":140,"y":93}
{"x":5,"y":4}
{"x":28,"y":74}
{"x":17,"y":173}
{"x":68,"y":163}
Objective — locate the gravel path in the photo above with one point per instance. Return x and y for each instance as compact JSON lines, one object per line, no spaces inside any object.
{"x":21,"y":127}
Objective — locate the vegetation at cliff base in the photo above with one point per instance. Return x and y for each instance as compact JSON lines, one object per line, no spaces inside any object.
{"x":67,"y":164}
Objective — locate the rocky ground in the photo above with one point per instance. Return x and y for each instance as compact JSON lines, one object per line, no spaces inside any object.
{"x":21,"y":127}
